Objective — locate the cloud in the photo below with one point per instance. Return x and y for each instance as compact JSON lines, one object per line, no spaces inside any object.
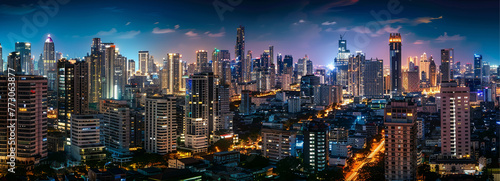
{"x":128,"y":23}
{"x":445,"y":37}
{"x":113,"y":9}
{"x":421,"y":42}
{"x":162,"y":31}
{"x":300,"y":21}
{"x":425,"y":20}
{"x":177,"y":26}
{"x":339,"y":3}
{"x":216,"y":35}
{"x":327,"y":23}
{"x":106,"y":33}
{"x":156,"y":23}
{"x":365,"y":30}
{"x":191,"y":34}
{"x":128,"y":34}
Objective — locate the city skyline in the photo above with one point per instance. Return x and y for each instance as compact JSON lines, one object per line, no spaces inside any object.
{"x":301,"y":32}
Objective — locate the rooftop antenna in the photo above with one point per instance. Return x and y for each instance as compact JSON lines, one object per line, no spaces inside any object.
{"x":342,"y":36}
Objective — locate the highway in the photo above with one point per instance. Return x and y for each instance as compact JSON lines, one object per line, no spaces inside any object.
{"x":353,"y":174}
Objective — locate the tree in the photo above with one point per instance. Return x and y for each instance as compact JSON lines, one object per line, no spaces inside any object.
{"x":334,"y":174}
{"x":254,"y":161}
{"x":221,"y":145}
{"x":287,"y":167}
{"x":372,"y":171}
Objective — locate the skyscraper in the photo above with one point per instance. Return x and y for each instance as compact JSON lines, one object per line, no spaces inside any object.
{"x":1,"y":59}
{"x":372,"y":78}
{"x":446,"y":64}
{"x":143,"y":62}
{"x":478,"y":63}
{"x":355,"y":74}
{"x":288,"y":64}
{"x":432,"y":73}
{"x":173,"y":66}
{"x":151,"y":65}
{"x":85,"y":141}
{"x":400,"y":121}
{"x":31,"y":124}
{"x":239,"y":52}
{"x":160,"y":125}
{"x":49,"y":56}
{"x":14,"y":63}
{"x":455,"y":120}
{"x":395,"y":61}
{"x":341,"y":63}
{"x":316,"y":145}
{"x":115,"y":127}
{"x":24,"y":50}
{"x":131,"y":67}
{"x":202,"y":61}
{"x":65,"y":93}
{"x":96,"y":60}
{"x":280,"y":64}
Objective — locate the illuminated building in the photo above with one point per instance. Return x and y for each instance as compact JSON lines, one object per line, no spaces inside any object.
{"x":400,"y":121}
{"x":173,"y":71}
{"x":85,"y":139}
{"x":31,"y":125}
{"x":1,"y":59}
{"x":65,"y":93}
{"x":14,"y":62}
{"x":446,"y":64}
{"x":49,"y":57}
{"x":143,"y":62}
{"x":239,"y":53}
{"x":432,"y":73}
{"x":316,"y":145}
{"x":277,"y":144}
{"x":115,"y":128}
{"x":455,"y":120}
{"x":372,"y":78}
{"x":96,"y":61}
{"x":355,"y":73}
{"x":341,"y":63}
{"x":395,"y":55}
{"x":131,"y":68}
{"x":202,"y":62}
{"x":160,"y":125}
{"x":410,"y":79}
{"x":246,"y":101}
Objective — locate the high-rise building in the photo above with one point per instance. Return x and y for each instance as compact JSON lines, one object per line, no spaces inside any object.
{"x":410,"y":79}
{"x":174,"y":72}
{"x":446,"y":64}
{"x":85,"y":139}
{"x":372,"y":78}
{"x":151,"y":65}
{"x":478,"y":63}
{"x":248,"y":67}
{"x":160,"y":125}
{"x":395,"y":61}
{"x":341,"y":63}
{"x":202,"y":62}
{"x":309,"y":66}
{"x":115,"y":127}
{"x":49,"y":57}
{"x":14,"y":63}
{"x":400,"y":121}
{"x":355,"y":73}
{"x":24,"y":50}
{"x":201,"y":116}
{"x":65,"y":93}
{"x":425,"y":67}
{"x":246,"y":102}
{"x":1,"y":59}
{"x":455,"y":120}
{"x":131,"y":67}
{"x":280,"y":64}
{"x":271,"y":54}
{"x":30,"y":127}
{"x":277,"y":144}
{"x":316,"y":145}
{"x":96,"y":61}
{"x":143,"y":62}
{"x":432,"y":73}
{"x":239,"y":52}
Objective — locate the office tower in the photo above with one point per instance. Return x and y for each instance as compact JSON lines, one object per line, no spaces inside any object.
{"x":14,"y":64}
{"x":432,"y":73}
{"x":131,"y":67}
{"x":65,"y":93}
{"x":137,"y":118}
{"x":246,"y":102}
{"x":478,"y":63}
{"x":96,"y":60}
{"x":410,"y":81}
{"x":201,"y":113}
{"x":316,"y":145}
{"x":174,"y":71}
{"x":202,"y":61}
{"x":354,"y":73}
{"x":400,"y":121}
{"x":1,"y":59}
{"x":31,"y":125}
{"x":341,"y":63}
{"x":288,"y":64}
{"x":301,"y":67}
{"x":277,"y":144}
{"x":265,"y":60}
{"x":143,"y":62}
{"x":239,"y":51}
{"x":485,"y":73}
{"x":309,"y":66}
{"x":395,"y":62}
{"x":40,"y":65}
{"x":307,"y":84}
{"x":455,"y":120}
{"x":151,"y":64}
{"x":81,"y":88}
{"x":372,"y":78}
{"x":225,"y":78}
{"x":24,"y":50}
{"x":446,"y":64}
{"x":294,"y":105}
{"x":280,"y":64}
{"x":85,"y":139}
{"x":160,"y":125}
{"x":108,"y":84}
{"x":323,"y":95}
{"x":115,"y":127}
{"x":248,"y":67}
{"x":49,"y":57}
{"x":271,"y":54}
{"x":120,"y":77}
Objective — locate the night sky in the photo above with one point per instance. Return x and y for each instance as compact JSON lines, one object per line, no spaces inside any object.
{"x":293,"y":27}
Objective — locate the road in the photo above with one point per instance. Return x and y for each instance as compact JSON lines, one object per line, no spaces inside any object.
{"x":352,"y":175}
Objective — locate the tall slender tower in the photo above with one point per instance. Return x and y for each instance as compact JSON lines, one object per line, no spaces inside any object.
{"x":174,"y":74}
{"x":49,"y":56}
{"x":202,"y":61}
{"x":143,"y":62}
{"x":95,"y":60}
{"x":24,"y":50}
{"x":1,"y":59}
{"x":160,"y":125}
{"x":432,"y":73}
{"x":446,"y":64}
{"x":478,"y":63}
{"x":341,"y":63}
{"x":239,"y":51}
{"x":395,"y":55}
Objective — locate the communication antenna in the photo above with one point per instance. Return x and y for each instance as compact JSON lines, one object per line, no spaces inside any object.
{"x":342,"y":36}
